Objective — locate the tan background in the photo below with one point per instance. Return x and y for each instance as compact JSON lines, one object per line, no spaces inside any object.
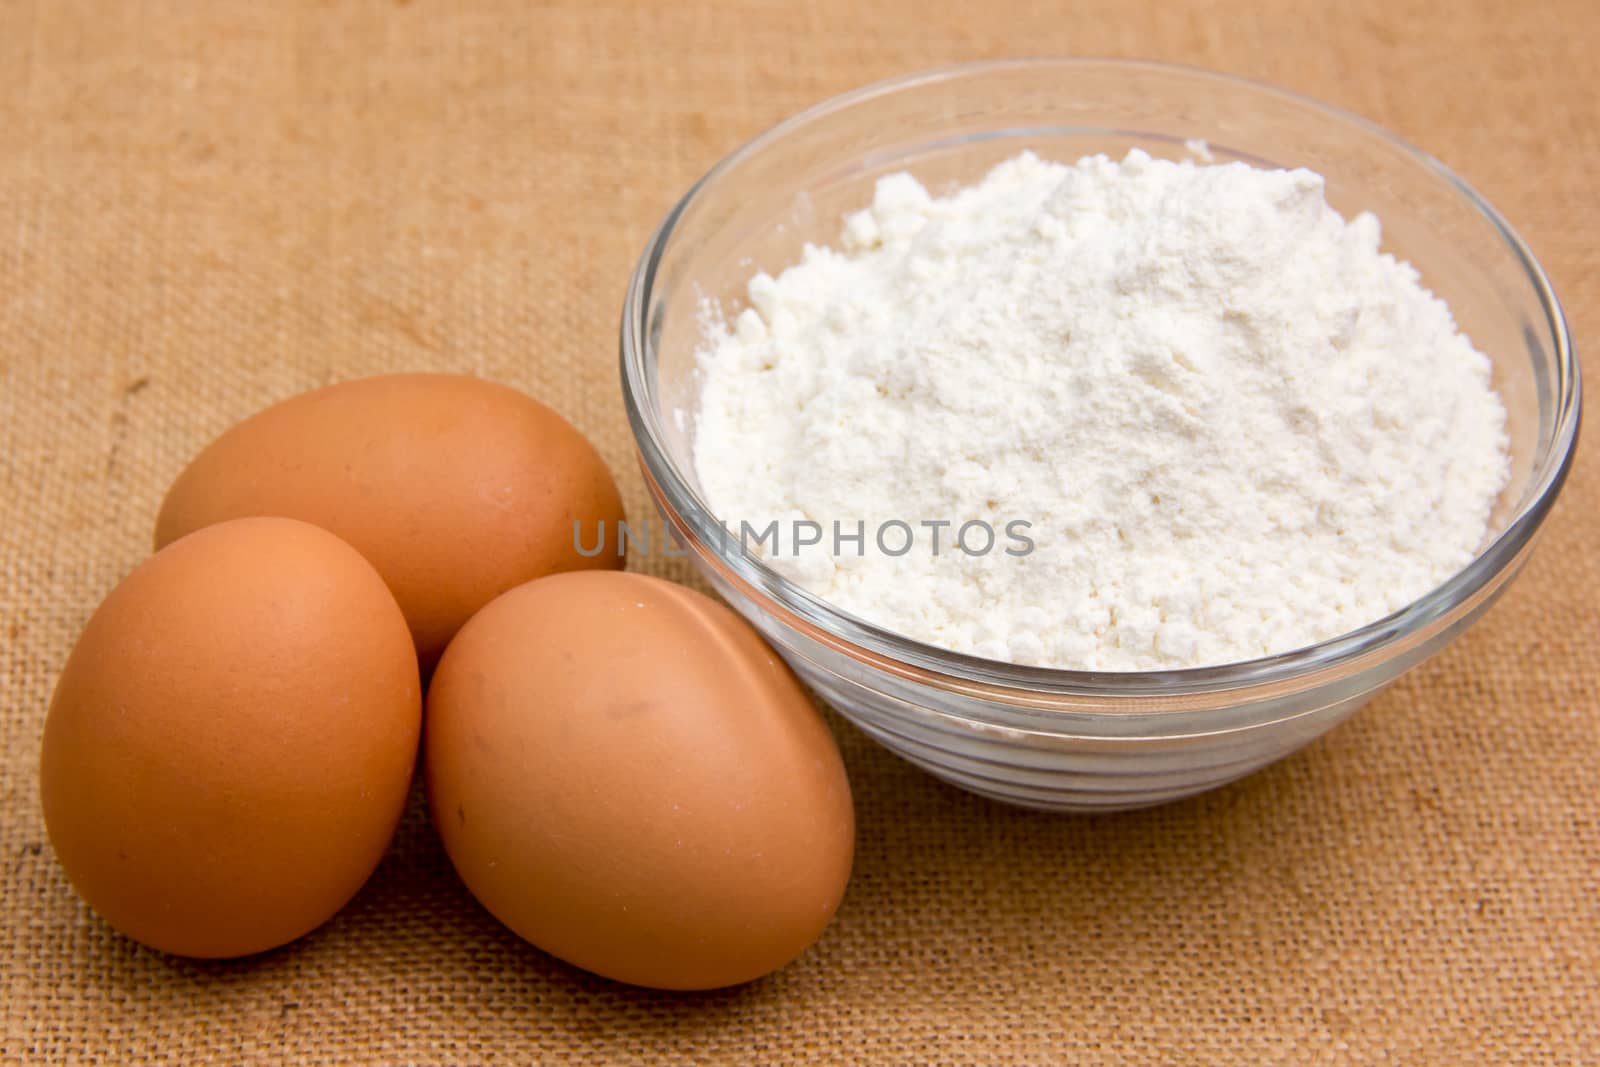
{"x":207,"y":207}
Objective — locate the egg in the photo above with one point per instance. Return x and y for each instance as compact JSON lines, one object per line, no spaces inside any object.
{"x":628,"y":777}
{"x":456,"y":489}
{"x":230,"y":745}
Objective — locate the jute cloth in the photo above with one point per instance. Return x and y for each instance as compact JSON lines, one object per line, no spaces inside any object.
{"x":208,"y":207}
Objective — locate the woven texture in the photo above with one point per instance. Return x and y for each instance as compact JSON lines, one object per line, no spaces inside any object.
{"x":208,"y":207}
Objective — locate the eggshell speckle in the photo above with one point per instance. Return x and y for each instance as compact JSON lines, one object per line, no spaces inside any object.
{"x":627,"y":776}
{"x":231,"y":741}
{"x":456,"y":489}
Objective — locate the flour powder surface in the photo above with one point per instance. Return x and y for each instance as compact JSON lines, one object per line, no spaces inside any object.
{"x":1231,"y":425}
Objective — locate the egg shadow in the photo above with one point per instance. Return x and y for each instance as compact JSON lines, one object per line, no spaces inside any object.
{"x":416,"y":899}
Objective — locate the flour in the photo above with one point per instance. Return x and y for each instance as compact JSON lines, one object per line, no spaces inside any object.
{"x":1233,"y":426}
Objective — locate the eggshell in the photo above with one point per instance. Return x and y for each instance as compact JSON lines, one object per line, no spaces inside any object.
{"x":456,"y":489}
{"x":231,"y":743}
{"x":628,"y":777}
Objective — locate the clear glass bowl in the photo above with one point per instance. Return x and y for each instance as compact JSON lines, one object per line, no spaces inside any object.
{"x":1058,"y":738}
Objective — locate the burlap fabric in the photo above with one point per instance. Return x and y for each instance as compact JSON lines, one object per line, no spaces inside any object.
{"x":207,"y":207}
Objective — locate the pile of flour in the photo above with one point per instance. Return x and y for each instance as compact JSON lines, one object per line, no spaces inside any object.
{"x":1233,"y":426}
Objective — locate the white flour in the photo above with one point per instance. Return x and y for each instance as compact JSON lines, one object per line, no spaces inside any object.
{"x":1235,"y":426}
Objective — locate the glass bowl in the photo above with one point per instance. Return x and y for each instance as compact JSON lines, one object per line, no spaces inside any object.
{"x":1063,"y":739}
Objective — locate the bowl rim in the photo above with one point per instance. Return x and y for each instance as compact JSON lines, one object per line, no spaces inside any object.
{"x":880,"y":646}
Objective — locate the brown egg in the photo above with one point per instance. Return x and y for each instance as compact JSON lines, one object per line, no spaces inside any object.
{"x":231,"y":742}
{"x":628,"y":777}
{"x":456,"y":489}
